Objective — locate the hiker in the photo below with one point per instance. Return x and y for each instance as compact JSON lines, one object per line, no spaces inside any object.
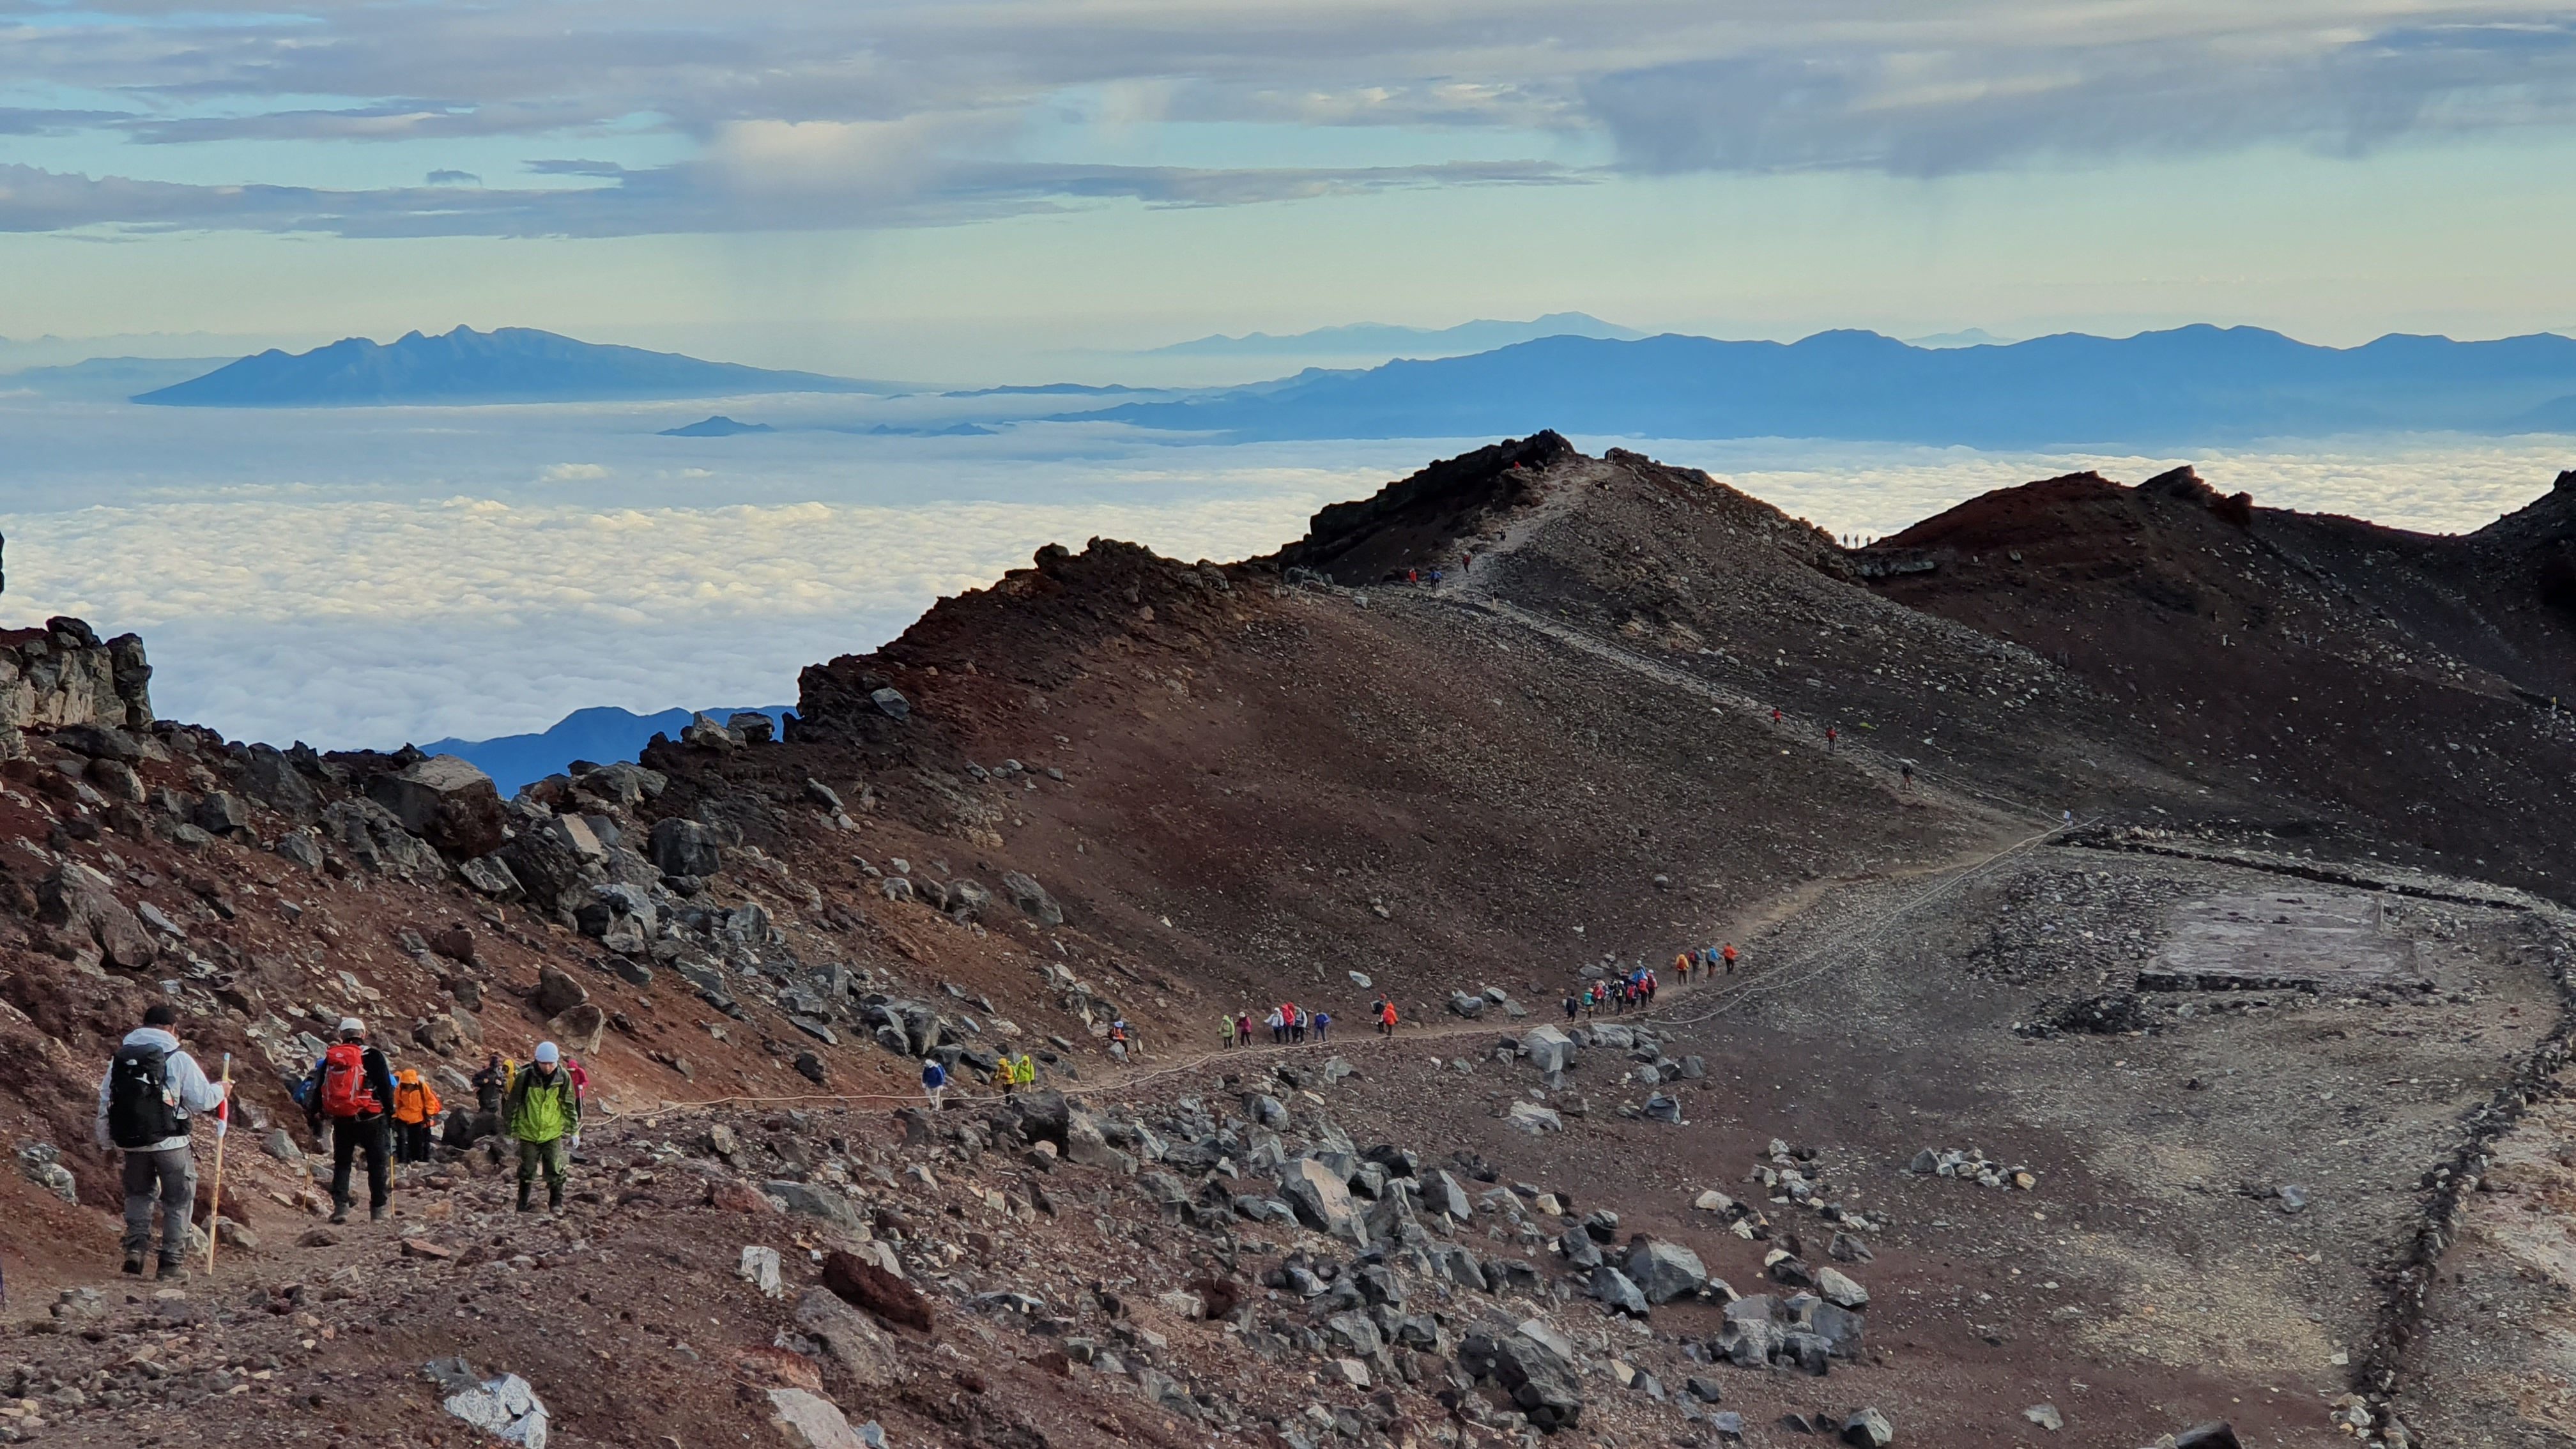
{"x":1297,"y":1026}
{"x":1650,"y":988}
{"x":1118,"y":1038}
{"x":1572,"y":1005}
{"x":1243,"y":1029}
{"x":1386,"y":1019}
{"x":1024,"y":1071}
{"x":545,"y":1119}
{"x":490,"y":1083}
{"x":1681,"y":965}
{"x":144,"y":1103}
{"x":1323,"y":1024}
{"x":1278,"y":1028}
{"x":1775,"y":716}
{"x":1832,"y":735}
{"x":416,"y":1106}
{"x":1225,"y":1031}
{"x":349,"y":1088}
{"x":1728,"y":955}
{"x":934,"y":1080}
{"x":1907,"y":768}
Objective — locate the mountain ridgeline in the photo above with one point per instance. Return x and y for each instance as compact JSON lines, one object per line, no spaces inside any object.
{"x":2196,"y":384}
{"x":505,"y":365}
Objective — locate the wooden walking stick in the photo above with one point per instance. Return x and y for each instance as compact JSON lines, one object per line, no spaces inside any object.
{"x":223,"y":1129}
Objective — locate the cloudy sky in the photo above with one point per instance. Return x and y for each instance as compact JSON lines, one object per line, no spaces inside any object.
{"x":838,"y":180}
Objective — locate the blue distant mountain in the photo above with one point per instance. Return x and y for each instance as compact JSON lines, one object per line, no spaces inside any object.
{"x":2191,"y":385}
{"x":718,"y":426}
{"x":505,"y":365}
{"x":602,"y":735}
{"x":1359,"y":338}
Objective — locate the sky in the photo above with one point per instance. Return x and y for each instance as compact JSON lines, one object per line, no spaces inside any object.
{"x":962,"y":188}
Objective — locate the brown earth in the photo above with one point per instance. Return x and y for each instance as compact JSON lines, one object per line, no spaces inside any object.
{"x":1116,"y":787}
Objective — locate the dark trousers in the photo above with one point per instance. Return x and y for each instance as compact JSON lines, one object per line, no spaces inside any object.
{"x":350,"y":1135}
{"x":170,"y":1179}
{"x":411,"y":1142}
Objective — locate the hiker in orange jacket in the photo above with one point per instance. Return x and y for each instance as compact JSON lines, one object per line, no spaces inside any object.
{"x":1386,"y":1019}
{"x":416,"y":1108}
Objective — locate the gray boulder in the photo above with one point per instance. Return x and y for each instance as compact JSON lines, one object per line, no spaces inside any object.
{"x":1025,"y":893}
{"x":1322,"y":1200}
{"x":1615,"y":1289}
{"x":681,"y":847}
{"x":445,"y":801}
{"x":1447,"y":1197}
{"x":1665,"y":1271}
{"x":1548,"y":1049}
{"x":1868,"y":1429}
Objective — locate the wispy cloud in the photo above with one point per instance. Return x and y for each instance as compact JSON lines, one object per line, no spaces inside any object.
{"x":820,"y":113}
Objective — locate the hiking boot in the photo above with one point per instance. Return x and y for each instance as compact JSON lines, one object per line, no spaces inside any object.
{"x":379,"y":1213}
{"x":524,"y":1189}
{"x":172,"y":1271}
{"x":134,"y":1264}
{"x":554,"y":1199}
{"x":340,"y":1213}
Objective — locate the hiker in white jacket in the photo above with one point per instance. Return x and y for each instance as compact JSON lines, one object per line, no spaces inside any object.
{"x":144,"y":1103}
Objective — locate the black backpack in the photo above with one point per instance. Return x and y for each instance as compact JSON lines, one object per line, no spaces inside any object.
{"x":141,"y":1108}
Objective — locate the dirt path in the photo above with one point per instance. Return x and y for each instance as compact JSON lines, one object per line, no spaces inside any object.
{"x":1674,"y":1007}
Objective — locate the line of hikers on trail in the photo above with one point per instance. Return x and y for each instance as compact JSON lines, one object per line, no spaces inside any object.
{"x":353,"y":1102}
{"x":1293,"y":1025}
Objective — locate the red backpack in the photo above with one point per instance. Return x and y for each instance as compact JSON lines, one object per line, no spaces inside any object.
{"x":345,"y":1092}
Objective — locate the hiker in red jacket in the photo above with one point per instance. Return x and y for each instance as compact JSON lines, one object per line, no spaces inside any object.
{"x":351,"y":1088}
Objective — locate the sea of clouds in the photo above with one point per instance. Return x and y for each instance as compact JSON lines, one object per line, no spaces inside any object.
{"x":370,"y":576}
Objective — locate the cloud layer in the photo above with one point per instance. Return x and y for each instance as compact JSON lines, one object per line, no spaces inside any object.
{"x":805,"y":114}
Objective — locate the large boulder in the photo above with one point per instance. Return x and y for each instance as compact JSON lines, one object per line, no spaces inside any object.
{"x":273,"y":779}
{"x":445,"y":801}
{"x":368,"y":833}
{"x":806,"y":1420}
{"x":80,"y":901}
{"x":852,"y":1338}
{"x":580,"y":1029}
{"x":1615,"y":1289}
{"x":1031,"y":897}
{"x":1446,"y":1196}
{"x":1665,"y":1271}
{"x":1467,"y":1004}
{"x":556,"y":859}
{"x":864,"y":1285}
{"x":1322,"y":1200}
{"x":1534,"y":1119}
{"x":1548,"y":1049}
{"x":682,"y":847}
{"x":1541,"y":1383}
{"x":557,"y":992}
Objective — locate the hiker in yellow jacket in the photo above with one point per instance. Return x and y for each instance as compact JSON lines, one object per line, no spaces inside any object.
{"x":543,"y":1114}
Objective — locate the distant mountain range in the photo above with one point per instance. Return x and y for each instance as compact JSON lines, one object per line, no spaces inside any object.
{"x":602,"y":735}
{"x":1362,"y":338}
{"x":505,"y":365}
{"x":2191,"y":384}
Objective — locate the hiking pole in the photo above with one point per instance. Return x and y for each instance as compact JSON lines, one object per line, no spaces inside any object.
{"x":223,"y":1129}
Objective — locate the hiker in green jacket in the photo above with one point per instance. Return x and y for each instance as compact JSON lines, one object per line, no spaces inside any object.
{"x":544,"y":1114}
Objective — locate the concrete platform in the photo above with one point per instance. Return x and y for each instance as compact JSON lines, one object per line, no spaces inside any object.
{"x":2320,"y":940}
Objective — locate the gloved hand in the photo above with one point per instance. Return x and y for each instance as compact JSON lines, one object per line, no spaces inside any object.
{"x":576,"y":1142}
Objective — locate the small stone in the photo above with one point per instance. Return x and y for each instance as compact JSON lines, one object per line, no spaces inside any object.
{"x":759,"y":1268}
{"x":1868,"y":1429}
{"x":2045,"y":1416}
{"x":2292,"y":1199}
